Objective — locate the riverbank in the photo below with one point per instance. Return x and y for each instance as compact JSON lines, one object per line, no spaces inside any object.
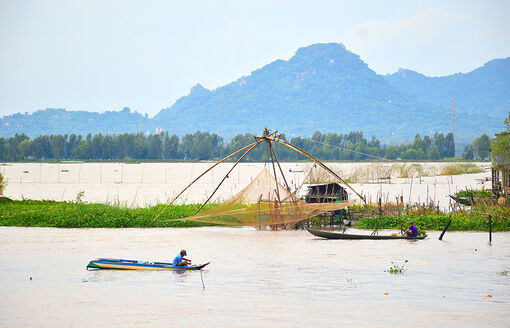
{"x":34,"y":213}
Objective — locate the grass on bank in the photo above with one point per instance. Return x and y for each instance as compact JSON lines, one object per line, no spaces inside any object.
{"x":34,"y":213}
{"x":45,"y":213}
{"x":475,"y":220}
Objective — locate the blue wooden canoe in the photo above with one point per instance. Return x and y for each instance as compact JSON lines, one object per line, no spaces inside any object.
{"x":119,"y":264}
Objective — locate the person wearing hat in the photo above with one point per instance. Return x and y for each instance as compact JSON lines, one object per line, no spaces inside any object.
{"x":412,"y":231}
{"x":180,"y":260}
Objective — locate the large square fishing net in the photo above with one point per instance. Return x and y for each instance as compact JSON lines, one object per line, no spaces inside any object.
{"x":265,"y":202}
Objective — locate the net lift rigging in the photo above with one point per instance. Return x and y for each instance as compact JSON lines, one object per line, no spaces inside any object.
{"x":284,"y":203}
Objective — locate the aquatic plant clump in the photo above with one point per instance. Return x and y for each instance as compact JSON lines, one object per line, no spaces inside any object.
{"x":396,"y":268}
{"x":457,"y":169}
{"x":476,"y":193}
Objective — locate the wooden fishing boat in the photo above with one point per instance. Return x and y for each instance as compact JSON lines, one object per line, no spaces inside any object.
{"x":463,"y":200}
{"x":119,"y":264}
{"x":339,"y":235}
{"x":469,"y":201}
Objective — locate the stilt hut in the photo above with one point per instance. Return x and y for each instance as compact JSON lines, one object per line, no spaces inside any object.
{"x":501,"y":171}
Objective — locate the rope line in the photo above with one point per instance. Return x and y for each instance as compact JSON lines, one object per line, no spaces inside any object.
{"x":349,"y":150}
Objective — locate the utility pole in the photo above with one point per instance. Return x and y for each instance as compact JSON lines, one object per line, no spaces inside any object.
{"x":453,"y":119}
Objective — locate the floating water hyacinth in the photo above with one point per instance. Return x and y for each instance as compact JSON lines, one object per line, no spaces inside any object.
{"x":396,"y":268}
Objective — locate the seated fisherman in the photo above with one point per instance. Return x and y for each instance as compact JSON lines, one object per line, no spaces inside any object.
{"x":179,"y":260}
{"x":412,"y":231}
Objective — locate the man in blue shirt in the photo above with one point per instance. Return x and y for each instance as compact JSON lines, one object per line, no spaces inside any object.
{"x":412,"y":231}
{"x":179,"y":260}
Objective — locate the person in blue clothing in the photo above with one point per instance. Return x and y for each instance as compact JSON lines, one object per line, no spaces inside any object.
{"x":412,"y":231}
{"x":180,"y":260}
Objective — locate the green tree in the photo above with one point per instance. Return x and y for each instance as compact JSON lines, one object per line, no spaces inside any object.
{"x":501,"y":144}
{"x":58,"y":143}
{"x":434,"y":153}
{"x":82,"y":150}
{"x":468,"y":152}
{"x":481,"y":146}
{"x":155,"y":144}
{"x":449,"y":146}
{"x":439,"y":141}
{"x":24,"y":149}
{"x":392,"y":152}
{"x":3,"y":148}
{"x":418,"y":143}
{"x":171,"y":147}
{"x":141,"y":146}
{"x":426,"y":144}
{"x":71,"y":143}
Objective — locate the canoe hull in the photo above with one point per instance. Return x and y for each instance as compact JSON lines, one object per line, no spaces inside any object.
{"x":338,"y":235}
{"x":119,"y":264}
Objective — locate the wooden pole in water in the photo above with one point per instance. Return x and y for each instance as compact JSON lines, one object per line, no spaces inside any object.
{"x":490,"y":229}
{"x":400,"y":218}
{"x":380,"y":206}
{"x":446,"y":228}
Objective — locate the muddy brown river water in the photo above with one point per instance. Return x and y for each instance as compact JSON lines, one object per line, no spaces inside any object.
{"x":256,"y":279}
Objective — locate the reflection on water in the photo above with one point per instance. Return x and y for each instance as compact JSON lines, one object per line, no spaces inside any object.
{"x":256,"y":278}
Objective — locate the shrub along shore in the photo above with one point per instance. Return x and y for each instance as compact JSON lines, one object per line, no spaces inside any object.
{"x":44,"y":213}
{"x":475,"y":220}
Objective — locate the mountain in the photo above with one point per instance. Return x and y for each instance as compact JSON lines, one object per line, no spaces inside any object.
{"x":61,"y":121}
{"x":322,"y":87}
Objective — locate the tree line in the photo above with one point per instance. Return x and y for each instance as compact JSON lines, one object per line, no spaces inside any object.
{"x":210,"y":146}
{"x":479,"y":149}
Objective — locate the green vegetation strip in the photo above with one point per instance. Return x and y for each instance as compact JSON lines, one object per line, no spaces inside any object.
{"x":34,"y":213}
{"x":461,"y":221}
{"x":476,"y":193}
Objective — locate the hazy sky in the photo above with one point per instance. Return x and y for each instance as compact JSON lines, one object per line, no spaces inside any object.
{"x":106,"y":55}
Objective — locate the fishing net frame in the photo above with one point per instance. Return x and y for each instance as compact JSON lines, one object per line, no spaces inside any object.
{"x":265,"y":201}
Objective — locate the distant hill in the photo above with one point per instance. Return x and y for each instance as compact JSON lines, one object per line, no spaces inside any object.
{"x":322,"y":87}
{"x":482,"y":95}
{"x":61,"y":121}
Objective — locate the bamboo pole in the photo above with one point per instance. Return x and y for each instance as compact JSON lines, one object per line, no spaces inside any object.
{"x":304,"y":153}
{"x":490,"y":229}
{"x":279,"y":166}
{"x":274,"y":170}
{"x":201,"y":175}
{"x":226,"y":176}
{"x":400,"y":218}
